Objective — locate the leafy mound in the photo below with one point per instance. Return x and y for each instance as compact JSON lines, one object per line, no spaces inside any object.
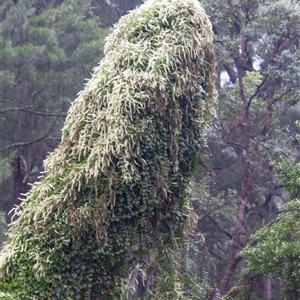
{"x":116,"y":186}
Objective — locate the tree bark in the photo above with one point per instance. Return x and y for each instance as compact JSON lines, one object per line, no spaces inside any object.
{"x":20,"y":185}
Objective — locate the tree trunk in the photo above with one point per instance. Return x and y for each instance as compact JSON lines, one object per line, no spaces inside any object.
{"x":247,"y":185}
{"x":20,"y":184}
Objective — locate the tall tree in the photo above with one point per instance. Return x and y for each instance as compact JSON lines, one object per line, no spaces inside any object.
{"x":47,"y":49}
{"x":257,"y":46}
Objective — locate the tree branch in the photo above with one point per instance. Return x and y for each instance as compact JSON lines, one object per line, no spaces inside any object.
{"x":22,"y":144}
{"x":234,"y":291}
{"x":282,"y":94}
{"x":239,"y":124}
{"x":269,"y":115}
{"x":231,"y":73}
{"x":236,"y":144}
{"x":257,"y":90}
{"x":43,"y":113}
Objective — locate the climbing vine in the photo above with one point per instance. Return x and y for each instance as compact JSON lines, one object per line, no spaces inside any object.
{"x":116,"y":186}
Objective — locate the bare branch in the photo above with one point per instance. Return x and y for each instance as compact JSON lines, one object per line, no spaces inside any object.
{"x":43,"y":113}
{"x":22,"y":144}
{"x":257,"y":90}
{"x":236,"y":144}
{"x":282,"y":94}
{"x":234,"y":291}
{"x":239,"y":124}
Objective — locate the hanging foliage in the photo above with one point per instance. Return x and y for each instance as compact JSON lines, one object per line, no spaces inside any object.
{"x":116,"y":186}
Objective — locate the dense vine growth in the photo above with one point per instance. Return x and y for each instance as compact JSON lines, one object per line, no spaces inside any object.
{"x":116,"y":186}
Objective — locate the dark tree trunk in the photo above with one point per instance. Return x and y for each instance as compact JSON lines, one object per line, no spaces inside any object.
{"x":20,"y":183}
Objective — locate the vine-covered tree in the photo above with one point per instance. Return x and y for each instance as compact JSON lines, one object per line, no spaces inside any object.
{"x":116,"y":187}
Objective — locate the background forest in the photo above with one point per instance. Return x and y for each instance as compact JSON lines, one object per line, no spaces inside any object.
{"x":243,"y":183}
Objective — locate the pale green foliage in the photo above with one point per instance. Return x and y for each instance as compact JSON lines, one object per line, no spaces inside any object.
{"x":119,"y":177}
{"x":289,"y":173}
